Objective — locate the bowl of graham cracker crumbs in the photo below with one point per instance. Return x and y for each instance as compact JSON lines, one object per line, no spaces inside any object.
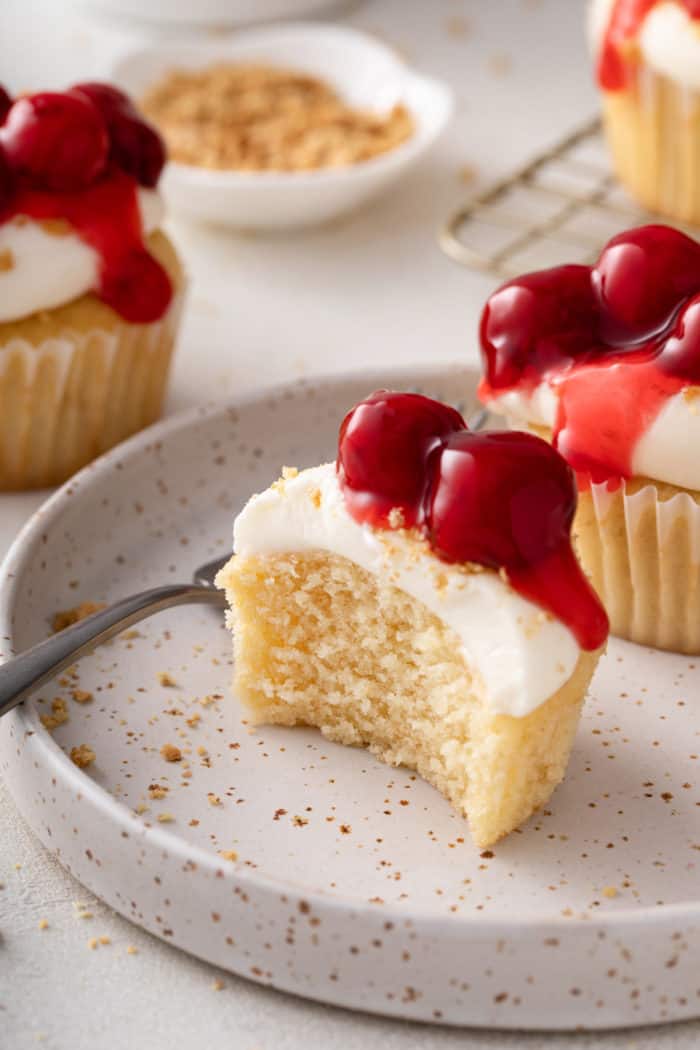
{"x":286,"y":126}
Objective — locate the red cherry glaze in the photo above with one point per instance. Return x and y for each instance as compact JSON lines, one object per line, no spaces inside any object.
{"x":7,"y":184}
{"x":502,"y":500}
{"x":135,"y":146}
{"x":77,"y":156}
{"x":384,"y":446}
{"x":617,"y":56}
{"x":106,"y":216}
{"x":55,"y":142}
{"x":5,"y":103}
{"x":628,"y":340}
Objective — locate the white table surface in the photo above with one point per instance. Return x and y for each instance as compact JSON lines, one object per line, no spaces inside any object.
{"x":372,"y":290}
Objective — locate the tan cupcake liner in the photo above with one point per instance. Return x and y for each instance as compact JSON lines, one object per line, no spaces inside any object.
{"x":71,"y":397}
{"x":653,"y":129}
{"x":640,"y":545}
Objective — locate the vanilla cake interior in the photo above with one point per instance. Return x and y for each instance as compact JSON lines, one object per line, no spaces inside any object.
{"x":320,"y":641}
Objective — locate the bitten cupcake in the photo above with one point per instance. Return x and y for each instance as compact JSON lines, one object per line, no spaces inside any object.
{"x":605,"y":361}
{"x":90,"y":287}
{"x":648,"y":69}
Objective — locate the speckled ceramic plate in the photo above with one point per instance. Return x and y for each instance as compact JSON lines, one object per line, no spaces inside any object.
{"x":354,"y":883}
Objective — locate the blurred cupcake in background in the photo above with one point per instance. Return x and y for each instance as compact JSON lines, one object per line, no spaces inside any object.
{"x":90,"y":288}
{"x":647,"y":55}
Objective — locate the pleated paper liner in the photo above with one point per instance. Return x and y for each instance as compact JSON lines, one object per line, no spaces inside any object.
{"x":653,"y":129}
{"x":640,"y":545}
{"x":77,"y":380}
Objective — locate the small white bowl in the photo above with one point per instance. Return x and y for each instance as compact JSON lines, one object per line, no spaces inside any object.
{"x":364,"y":72}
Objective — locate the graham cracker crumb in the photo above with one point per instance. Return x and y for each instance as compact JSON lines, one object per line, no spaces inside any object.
{"x":171,"y":753}
{"x":7,"y":261}
{"x":500,"y":64}
{"x":609,"y":891}
{"x":396,"y":518}
{"x":67,"y":617}
{"x":213,"y":799}
{"x":218,"y":985}
{"x":83,"y":756}
{"x":228,"y":854}
{"x":56,"y":227}
{"x":81,"y":696}
{"x":166,"y":680}
{"x":92,"y":943}
{"x":458,"y":26}
{"x":131,"y":949}
{"x":194,"y":719}
{"x":43,"y":924}
{"x":104,"y":939}
{"x":59,"y":714}
{"x":258,"y":118}
{"x":157,"y":791}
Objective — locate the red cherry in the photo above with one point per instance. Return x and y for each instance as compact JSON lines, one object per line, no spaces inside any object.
{"x":107,"y":98}
{"x":680,"y":355}
{"x":537,"y":322}
{"x":384,"y":446}
{"x":503,"y":499}
{"x":136,"y":147}
{"x":139,"y":289}
{"x":7,"y":182}
{"x":5,"y":103}
{"x":641,"y":278}
{"x":56,"y":142}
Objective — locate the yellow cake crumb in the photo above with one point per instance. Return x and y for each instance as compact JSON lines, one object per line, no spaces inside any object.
{"x":59,"y":714}
{"x":67,"y":617}
{"x":43,"y":924}
{"x":609,"y":891}
{"x":157,"y":790}
{"x":165,"y":818}
{"x":166,"y":680}
{"x":228,"y":854}
{"x":131,"y":949}
{"x":83,"y":756}
{"x":81,"y":696}
{"x":171,"y":753}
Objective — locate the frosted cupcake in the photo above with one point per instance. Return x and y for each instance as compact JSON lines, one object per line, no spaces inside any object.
{"x":605,"y":361}
{"x":648,"y":69}
{"x":421,"y":597}
{"x":90,"y":288}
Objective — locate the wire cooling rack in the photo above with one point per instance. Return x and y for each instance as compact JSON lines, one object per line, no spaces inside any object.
{"x":561,"y":207}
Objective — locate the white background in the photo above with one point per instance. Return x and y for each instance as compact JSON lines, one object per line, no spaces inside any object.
{"x":371,"y":290}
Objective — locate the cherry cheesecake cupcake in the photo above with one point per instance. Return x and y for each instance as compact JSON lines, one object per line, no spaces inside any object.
{"x":647,"y":55}
{"x":90,"y":286}
{"x":604,"y":361}
{"x":420,"y":597}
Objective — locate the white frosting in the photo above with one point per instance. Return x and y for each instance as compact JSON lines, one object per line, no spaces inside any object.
{"x":669,"y":39}
{"x":667,"y":450}
{"x":521,"y":654}
{"x":48,"y":269}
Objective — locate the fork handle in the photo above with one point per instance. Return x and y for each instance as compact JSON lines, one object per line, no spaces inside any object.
{"x":24,"y":673}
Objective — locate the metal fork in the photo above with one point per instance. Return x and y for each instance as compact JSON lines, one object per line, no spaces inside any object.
{"x":24,"y":673}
